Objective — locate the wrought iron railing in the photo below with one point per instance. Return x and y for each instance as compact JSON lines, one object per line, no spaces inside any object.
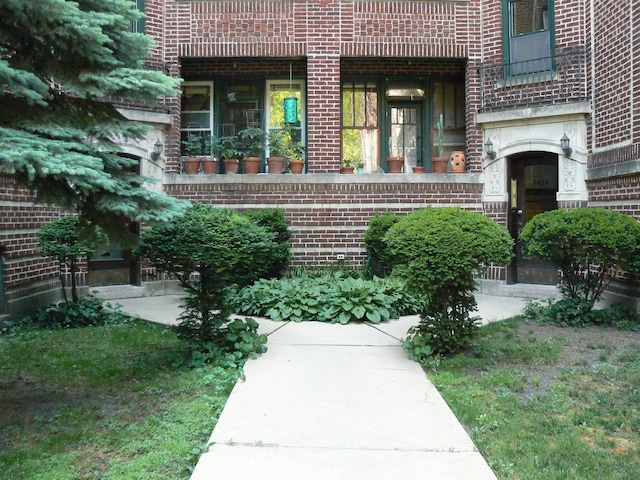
{"x":551,"y":80}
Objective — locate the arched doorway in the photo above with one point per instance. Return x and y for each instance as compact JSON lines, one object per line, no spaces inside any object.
{"x":533,"y":189}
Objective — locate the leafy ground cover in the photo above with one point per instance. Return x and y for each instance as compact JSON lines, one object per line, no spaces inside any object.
{"x":109,"y":402}
{"x":548,"y":402}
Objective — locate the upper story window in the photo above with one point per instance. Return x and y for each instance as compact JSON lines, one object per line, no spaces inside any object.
{"x":138,"y":25}
{"x":528,"y":35}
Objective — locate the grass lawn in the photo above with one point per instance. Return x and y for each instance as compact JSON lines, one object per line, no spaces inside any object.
{"x":544,"y":402}
{"x":109,"y":402}
{"x":114,"y":402}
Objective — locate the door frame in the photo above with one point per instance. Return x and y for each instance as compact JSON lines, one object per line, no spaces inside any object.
{"x":517,"y":202}
{"x":420,"y":129}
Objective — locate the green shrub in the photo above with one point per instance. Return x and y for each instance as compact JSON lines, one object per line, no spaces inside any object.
{"x":378,"y":261}
{"x":587,"y":244}
{"x":578,"y":312}
{"x":333,"y":297}
{"x":90,"y":311}
{"x":275,"y":222}
{"x":438,"y":252}
{"x":219,"y":246}
{"x":67,"y":240}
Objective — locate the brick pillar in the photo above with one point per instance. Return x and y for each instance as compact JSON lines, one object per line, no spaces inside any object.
{"x":323,"y":38}
{"x":323,"y":113}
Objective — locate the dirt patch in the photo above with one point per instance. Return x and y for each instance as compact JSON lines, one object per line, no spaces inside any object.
{"x":573,"y":349}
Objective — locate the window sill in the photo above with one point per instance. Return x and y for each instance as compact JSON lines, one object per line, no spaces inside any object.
{"x":321,"y":178}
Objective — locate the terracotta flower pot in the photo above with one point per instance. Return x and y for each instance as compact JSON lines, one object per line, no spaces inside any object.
{"x":457,"y":160}
{"x":191,"y":165}
{"x":210,"y":165}
{"x":439,"y":164}
{"x":418,"y":169}
{"x":395,"y":164}
{"x":276,"y":164}
{"x":231,"y":165}
{"x":252,"y":165}
{"x":346,"y":170}
{"x":297,"y":165}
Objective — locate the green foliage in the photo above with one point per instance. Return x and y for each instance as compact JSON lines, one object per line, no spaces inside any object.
{"x":537,"y":405}
{"x":279,"y":142}
{"x":587,"y":244}
{"x":277,"y":223}
{"x":578,"y":312}
{"x":57,"y":135}
{"x":67,"y":240}
{"x":255,"y":140}
{"x":417,"y":345}
{"x":334,"y":298}
{"x":194,"y":145}
{"x":227,"y":147}
{"x":221,"y":247}
{"x":378,"y":261}
{"x":229,"y":345}
{"x":438,"y":252}
{"x":89,"y":311}
{"x":440,"y":334}
{"x":112,"y":402}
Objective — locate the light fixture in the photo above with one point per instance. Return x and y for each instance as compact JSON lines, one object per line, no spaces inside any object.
{"x":564,"y":144}
{"x":488,"y":148}
{"x":157,"y":150}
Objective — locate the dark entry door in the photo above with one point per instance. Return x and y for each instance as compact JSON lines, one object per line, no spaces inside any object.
{"x":405,"y":137}
{"x":112,"y":265}
{"x":532,"y":190}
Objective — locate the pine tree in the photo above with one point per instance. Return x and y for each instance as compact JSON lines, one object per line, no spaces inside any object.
{"x":59,"y":62}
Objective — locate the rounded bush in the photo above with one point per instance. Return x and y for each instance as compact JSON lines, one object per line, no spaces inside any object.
{"x":588,"y":244}
{"x":439,"y":251}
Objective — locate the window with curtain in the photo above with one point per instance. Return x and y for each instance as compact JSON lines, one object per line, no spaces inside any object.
{"x":360,"y":132}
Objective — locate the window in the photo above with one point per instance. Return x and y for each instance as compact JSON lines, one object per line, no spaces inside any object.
{"x":448,"y":100}
{"x":138,"y":25}
{"x":360,"y":132}
{"x":197,"y":111}
{"x":278,"y":92}
{"x":528,"y":35}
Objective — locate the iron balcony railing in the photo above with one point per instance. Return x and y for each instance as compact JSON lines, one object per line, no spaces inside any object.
{"x":550,"y":80}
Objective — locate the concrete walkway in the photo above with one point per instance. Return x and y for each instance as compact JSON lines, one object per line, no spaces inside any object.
{"x":336,"y":402}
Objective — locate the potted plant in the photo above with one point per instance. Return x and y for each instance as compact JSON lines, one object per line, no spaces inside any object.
{"x":231,"y":156}
{"x":395,"y":164}
{"x":193,"y":149}
{"x":439,"y":163}
{"x":349,"y":165}
{"x":296,"y":162}
{"x":254,"y":140}
{"x":210,"y":161}
{"x":278,"y":149}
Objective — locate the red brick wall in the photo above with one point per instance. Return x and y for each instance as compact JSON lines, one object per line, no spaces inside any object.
{"x":330,"y":214}
{"x":320,"y":31}
{"x":24,"y":271}
{"x":613,"y":68}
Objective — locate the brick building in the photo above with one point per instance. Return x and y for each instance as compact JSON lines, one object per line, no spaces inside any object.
{"x":509,"y":80}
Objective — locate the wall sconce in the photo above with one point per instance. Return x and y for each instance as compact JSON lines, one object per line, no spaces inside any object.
{"x":157,"y":150}
{"x":488,"y":148}
{"x":564,"y":144}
